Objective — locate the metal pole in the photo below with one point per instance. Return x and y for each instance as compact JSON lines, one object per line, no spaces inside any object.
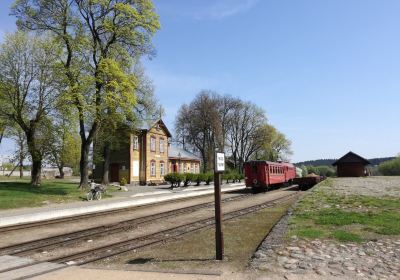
{"x":219,"y":237}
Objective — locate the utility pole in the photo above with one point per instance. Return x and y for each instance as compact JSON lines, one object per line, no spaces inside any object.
{"x":219,"y":167}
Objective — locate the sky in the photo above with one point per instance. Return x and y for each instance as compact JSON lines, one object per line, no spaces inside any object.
{"x":327,"y":73}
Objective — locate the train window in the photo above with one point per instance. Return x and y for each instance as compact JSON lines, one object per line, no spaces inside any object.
{"x":254,"y":168}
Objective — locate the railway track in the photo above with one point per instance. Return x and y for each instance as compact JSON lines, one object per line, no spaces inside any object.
{"x":84,"y":216}
{"x":118,"y":248}
{"x":26,"y":248}
{"x":96,"y":254}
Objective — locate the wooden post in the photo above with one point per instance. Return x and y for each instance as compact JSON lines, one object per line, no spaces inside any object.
{"x":219,"y":236}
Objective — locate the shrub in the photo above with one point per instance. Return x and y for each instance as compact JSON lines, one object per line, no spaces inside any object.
{"x":189,"y":178}
{"x":174,"y":179}
{"x":123,"y":181}
{"x":227,"y":176}
{"x":200,"y":178}
{"x":208,"y":177}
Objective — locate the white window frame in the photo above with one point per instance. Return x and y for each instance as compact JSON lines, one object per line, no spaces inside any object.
{"x":136,"y":142}
{"x":152,"y":144}
{"x":153,"y":168}
{"x":161,"y":145}
{"x":162,"y":168}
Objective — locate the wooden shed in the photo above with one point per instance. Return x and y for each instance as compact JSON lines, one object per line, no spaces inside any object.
{"x":351,"y":165}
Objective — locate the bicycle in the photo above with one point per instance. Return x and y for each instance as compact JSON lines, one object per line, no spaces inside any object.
{"x":95,"y":193}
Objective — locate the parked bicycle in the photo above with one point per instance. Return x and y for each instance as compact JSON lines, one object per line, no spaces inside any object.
{"x":95,"y":192}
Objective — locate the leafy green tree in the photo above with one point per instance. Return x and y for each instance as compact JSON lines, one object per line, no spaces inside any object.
{"x":64,"y":144}
{"x":101,"y":40}
{"x":29,"y":89}
{"x":275,"y":144}
{"x":325,"y":170}
{"x":304,"y":170}
{"x":390,"y":167}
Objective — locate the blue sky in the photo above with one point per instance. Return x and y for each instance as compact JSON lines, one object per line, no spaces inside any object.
{"x":327,"y":73}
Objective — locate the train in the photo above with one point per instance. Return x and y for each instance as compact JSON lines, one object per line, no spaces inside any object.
{"x":264,"y":175}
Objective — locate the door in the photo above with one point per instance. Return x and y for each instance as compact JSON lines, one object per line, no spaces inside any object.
{"x":114,"y":172}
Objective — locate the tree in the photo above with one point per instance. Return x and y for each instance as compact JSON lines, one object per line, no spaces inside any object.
{"x":115,"y":130}
{"x":29,"y":88}
{"x":245,"y":137}
{"x":390,"y":167}
{"x":64,"y":144}
{"x":275,"y":144}
{"x":197,"y":125}
{"x":229,"y":124}
{"x":101,"y":40}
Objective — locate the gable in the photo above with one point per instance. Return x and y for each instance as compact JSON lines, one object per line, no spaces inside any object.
{"x":351,"y":157}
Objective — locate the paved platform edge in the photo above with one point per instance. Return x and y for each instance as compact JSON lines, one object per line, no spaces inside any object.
{"x":138,"y":201}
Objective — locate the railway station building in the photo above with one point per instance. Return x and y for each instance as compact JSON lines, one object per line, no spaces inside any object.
{"x":351,"y":165}
{"x":147,"y":156}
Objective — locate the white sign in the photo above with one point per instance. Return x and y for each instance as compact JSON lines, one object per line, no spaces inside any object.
{"x":219,"y":162}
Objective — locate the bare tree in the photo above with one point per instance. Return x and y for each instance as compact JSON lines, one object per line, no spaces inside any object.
{"x":198,"y":124}
{"x":238,"y":128}
{"x":244,"y":137}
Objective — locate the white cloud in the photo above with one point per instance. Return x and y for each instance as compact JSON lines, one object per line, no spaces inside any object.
{"x":207,"y":10}
{"x":224,"y":9}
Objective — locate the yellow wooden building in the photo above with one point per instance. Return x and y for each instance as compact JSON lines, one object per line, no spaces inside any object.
{"x":148,"y":157}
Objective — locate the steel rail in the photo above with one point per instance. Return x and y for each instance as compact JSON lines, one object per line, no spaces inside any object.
{"x":94,"y":214}
{"x":23,"y":249}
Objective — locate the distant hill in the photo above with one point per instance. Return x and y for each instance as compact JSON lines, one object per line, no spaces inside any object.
{"x":318,"y":162}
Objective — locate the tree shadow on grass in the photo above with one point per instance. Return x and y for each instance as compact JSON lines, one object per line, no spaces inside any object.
{"x":25,"y":187}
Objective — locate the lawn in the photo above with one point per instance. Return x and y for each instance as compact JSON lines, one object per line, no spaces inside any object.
{"x":345,"y":218}
{"x":19,"y":193}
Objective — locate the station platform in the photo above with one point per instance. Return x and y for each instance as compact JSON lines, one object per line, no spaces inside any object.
{"x":135,"y":196}
{"x":17,"y":268}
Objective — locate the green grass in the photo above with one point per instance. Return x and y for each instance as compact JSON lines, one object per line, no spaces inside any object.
{"x":325,"y":214}
{"x":19,"y":193}
{"x":197,"y":250}
{"x":345,"y":236}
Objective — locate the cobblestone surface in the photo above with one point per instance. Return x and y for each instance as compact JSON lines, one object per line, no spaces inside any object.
{"x":370,"y":260}
{"x":327,"y":259}
{"x":370,"y":186}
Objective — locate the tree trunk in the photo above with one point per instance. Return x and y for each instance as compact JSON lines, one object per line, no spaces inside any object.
{"x":36,"y":156}
{"x":84,"y":164}
{"x":21,"y":168}
{"x":106,"y":164}
{"x":61,"y":170}
{"x":36,"y":171}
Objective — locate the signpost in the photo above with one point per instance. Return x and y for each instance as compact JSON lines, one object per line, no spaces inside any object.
{"x":219,"y":167}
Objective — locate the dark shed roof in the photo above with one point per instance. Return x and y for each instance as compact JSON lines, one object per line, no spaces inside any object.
{"x":351,"y":157}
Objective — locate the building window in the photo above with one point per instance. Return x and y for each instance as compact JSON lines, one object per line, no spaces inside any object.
{"x":152,"y":168}
{"x":135,"y":142}
{"x":162,"y":169}
{"x":153,"y":144}
{"x":192,"y":168}
{"x":161,"y":145}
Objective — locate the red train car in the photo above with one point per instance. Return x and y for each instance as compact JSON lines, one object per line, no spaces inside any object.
{"x":265,"y":174}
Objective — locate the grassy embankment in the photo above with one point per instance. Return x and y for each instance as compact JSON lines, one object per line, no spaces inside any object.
{"x":197,"y":250}
{"x":17,"y":193}
{"x":352,"y":218}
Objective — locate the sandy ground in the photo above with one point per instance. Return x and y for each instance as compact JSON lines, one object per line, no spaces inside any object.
{"x":97,"y":274}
